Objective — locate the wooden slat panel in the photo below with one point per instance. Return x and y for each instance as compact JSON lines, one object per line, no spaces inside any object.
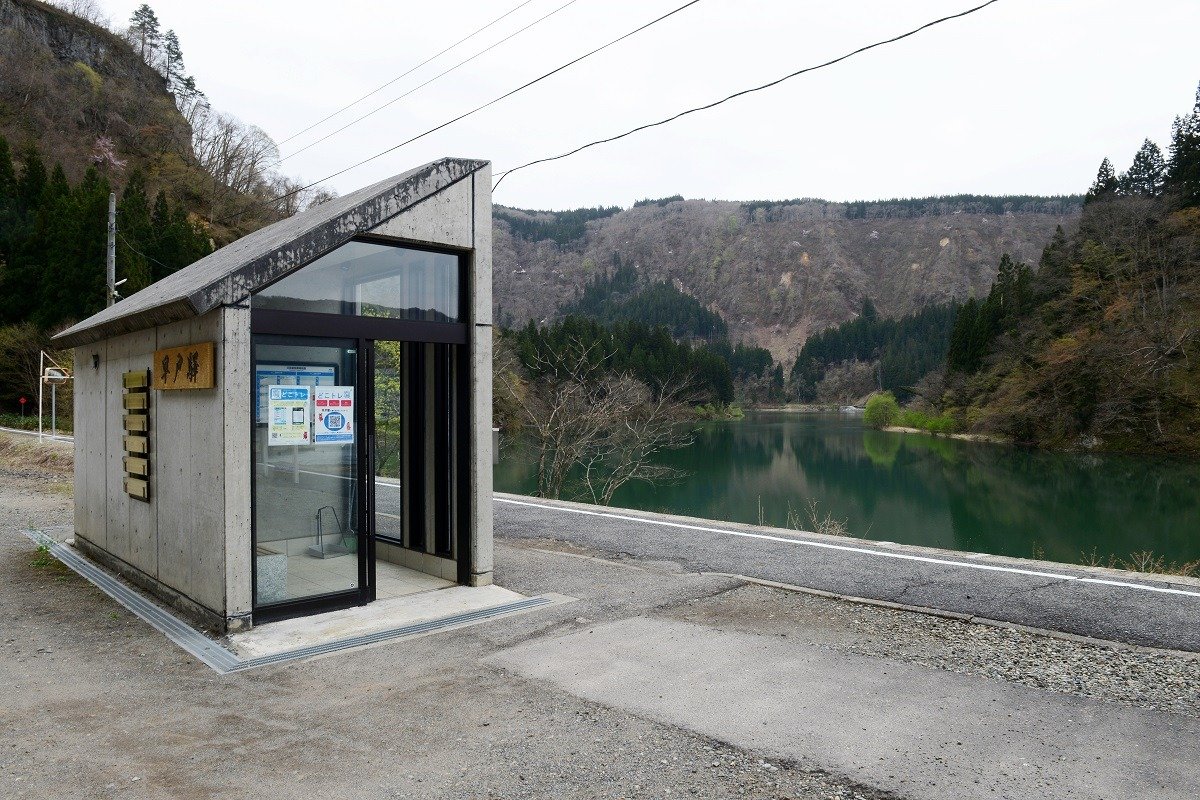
{"x":137,"y":444}
{"x":136,"y":379}
{"x":136,"y":487}
{"x":137,"y":422}
{"x":135,"y":465}
{"x":136,"y":400}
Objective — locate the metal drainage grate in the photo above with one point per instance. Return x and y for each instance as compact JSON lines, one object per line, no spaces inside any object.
{"x":222,"y":659}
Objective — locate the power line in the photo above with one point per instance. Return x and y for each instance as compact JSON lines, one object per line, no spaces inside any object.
{"x":477,"y":109}
{"x":129,"y":244}
{"x":426,"y":83}
{"x":776,"y":82}
{"x":378,"y":89}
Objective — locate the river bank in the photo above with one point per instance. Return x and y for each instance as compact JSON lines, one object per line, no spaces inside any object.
{"x":962,"y":437}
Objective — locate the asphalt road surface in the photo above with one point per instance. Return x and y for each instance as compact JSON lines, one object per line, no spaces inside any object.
{"x":1133,"y":608}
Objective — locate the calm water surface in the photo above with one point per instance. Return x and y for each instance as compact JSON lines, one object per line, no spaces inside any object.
{"x":921,"y":490}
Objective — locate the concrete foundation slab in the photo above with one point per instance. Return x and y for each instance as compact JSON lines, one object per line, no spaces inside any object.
{"x":382,"y":615}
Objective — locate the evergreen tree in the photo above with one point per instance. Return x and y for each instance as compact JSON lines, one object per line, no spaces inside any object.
{"x":144,"y":32}
{"x":1147,"y":173}
{"x":135,"y":236}
{"x":1106,"y":183}
{"x":32,"y":182}
{"x":1183,"y":168}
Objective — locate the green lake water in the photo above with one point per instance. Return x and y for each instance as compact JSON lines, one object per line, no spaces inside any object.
{"x":922,"y":490}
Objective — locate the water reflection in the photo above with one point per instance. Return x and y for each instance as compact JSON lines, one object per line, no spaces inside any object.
{"x":921,"y":490}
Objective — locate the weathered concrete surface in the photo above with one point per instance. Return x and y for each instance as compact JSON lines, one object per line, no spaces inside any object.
{"x":97,"y":704}
{"x":897,"y":727}
{"x":1052,"y":599}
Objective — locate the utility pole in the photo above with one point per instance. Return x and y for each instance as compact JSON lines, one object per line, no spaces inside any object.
{"x":111,"y":271}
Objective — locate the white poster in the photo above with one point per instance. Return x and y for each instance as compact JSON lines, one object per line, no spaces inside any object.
{"x":335,"y":415}
{"x":288,"y":413}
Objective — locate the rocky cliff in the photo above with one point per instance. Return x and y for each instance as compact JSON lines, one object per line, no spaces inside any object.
{"x":65,"y":83}
{"x":777,"y":273}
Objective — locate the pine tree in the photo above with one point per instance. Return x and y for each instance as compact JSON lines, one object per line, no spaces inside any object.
{"x":1147,"y":173}
{"x":1183,"y":168}
{"x":144,"y":32}
{"x":1105,"y":185}
{"x":32,"y":181}
{"x":135,"y":235}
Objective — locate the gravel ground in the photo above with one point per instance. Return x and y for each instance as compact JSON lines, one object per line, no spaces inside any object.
{"x":1157,"y":680}
{"x":96,"y":704}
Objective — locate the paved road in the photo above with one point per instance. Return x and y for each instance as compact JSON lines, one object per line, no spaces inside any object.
{"x":913,"y":731}
{"x":1099,"y":603}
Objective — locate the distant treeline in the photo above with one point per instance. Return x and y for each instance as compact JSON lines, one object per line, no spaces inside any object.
{"x":907,"y":208}
{"x":53,"y":240}
{"x":620,"y":297}
{"x":907,"y":349}
{"x":650,"y":354}
{"x":564,"y":228}
{"x":662,"y":201}
{"x":612,"y":297}
{"x":964,"y":203}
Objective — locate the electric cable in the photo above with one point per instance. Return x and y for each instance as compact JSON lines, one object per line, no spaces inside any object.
{"x":423,"y":85}
{"x":776,"y":82}
{"x":479,"y":108}
{"x":378,"y":89}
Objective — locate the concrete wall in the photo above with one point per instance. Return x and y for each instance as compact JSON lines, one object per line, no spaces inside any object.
{"x":176,"y":544}
{"x":461,"y":216}
{"x":191,"y":544}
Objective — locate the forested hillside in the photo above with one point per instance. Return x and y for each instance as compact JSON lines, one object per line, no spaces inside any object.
{"x":776,"y":272}
{"x":86,"y":110}
{"x":1097,"y":346}
{"x":871,"y":352}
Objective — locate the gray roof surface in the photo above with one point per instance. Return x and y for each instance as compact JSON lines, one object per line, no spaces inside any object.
{"x":239,"y":269}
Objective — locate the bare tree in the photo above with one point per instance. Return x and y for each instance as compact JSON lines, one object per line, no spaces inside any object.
{"x":594,"y":431}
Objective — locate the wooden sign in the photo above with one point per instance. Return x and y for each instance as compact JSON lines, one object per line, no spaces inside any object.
{"x":187,"y":367}
{"x":136,"y":402}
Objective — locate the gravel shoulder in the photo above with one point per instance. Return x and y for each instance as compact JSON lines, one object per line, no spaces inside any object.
{"x":99,"y":705}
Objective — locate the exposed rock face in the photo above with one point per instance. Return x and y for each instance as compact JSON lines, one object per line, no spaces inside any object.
{"x":776,"y":276}
{"x":65,"y":83}
{"x":72,"y":40}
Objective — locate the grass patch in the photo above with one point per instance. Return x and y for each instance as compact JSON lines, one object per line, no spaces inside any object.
{"x":719,"y":411}
{"x":19,"y":452}
{"x":934,"y":423}
{"x":1144,"y":561}
{"x":811,"y":519}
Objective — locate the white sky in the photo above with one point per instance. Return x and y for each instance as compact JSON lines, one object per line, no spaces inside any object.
{"x":1024,"y":97}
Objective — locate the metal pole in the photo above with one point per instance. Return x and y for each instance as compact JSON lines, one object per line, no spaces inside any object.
{"x":41,"y":387}
{"x":111,"y":270}
{"x":54,"y":411}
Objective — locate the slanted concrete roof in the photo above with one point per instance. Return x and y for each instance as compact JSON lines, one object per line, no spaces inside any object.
{"x":239,"y":269}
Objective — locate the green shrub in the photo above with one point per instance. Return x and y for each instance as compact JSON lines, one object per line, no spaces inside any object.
{"x":882,"y":410}
{"x":942,"y":423}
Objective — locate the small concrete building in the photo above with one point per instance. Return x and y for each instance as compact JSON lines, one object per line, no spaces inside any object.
{"x":300,"y":421}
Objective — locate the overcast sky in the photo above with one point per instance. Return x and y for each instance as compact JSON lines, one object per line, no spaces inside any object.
{"x":1024,"y":97}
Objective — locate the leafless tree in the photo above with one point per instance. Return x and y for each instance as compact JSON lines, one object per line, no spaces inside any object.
{"x":594,"y":430}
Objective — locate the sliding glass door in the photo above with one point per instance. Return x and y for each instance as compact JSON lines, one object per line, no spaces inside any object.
{"x":310,"y":541}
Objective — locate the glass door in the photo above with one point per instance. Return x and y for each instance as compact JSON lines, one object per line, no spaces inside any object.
{"x":312,"y":546}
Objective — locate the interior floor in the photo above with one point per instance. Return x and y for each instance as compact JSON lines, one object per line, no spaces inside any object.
{"x":308,"y":576}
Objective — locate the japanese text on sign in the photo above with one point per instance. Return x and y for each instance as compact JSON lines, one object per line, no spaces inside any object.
{"x":288,"y":413}
{"x":334,"y":407}
{"x":187,"y":367}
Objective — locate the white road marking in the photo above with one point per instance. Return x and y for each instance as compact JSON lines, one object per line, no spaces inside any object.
{"x":851,"y":549}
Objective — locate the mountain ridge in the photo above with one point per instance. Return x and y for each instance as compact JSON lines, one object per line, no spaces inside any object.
{"x":776,"y":271}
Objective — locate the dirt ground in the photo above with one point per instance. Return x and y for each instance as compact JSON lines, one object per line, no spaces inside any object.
{"x":94,"y":703}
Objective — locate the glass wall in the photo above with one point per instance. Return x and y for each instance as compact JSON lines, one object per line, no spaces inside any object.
{"x":306,"y":504}
{"x":373,"y":280}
